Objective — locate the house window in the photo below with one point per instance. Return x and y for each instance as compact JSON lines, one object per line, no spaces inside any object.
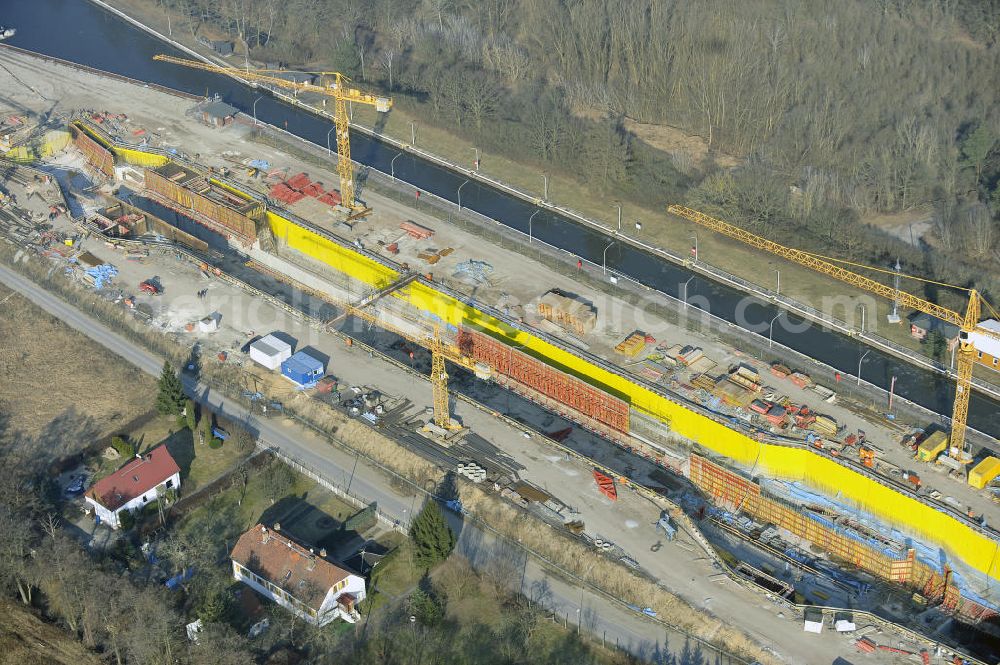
{"x":995,"y":361}
{"x":170,"y":483}
{"x":145,"y":498}
{"x":980,"y":355}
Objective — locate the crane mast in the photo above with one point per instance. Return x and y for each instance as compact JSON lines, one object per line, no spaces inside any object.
{"x":967,"y":323}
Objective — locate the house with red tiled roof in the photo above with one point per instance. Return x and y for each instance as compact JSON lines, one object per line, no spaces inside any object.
{"x":144,"y":478}
{"x":296,"y":577}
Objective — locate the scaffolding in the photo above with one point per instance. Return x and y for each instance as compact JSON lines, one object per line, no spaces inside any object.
{"x":870,"y":552}
{"x":212,"y":199}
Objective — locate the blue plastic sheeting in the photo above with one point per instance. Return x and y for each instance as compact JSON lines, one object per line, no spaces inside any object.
{"x":179,"y":578}
{"x":102,"y":274}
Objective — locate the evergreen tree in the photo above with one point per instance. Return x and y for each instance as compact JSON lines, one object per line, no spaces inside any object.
{"x":425,"y":604}
{"x":170,"y":399}
{"x":433,"y":539}
{"x":213,"y":603}
{"x":190,"y":415}
{"x":206,"y":427}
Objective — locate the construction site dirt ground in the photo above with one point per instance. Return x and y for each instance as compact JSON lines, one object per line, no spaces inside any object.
{"x":628,"y":522}
{"x":514,"y":284}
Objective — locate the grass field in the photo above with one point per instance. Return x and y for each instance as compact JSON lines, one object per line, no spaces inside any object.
{"x":51,"y":373}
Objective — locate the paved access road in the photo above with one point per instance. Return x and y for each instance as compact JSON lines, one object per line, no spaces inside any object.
{"x":604,"y":618}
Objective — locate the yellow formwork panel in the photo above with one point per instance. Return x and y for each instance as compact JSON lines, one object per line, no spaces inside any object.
{"x":907,"y":514}
{"x":140,"y":157}
{"x":232,"y":190}
{"x":52,"y":142}
{"x":339,"y":258}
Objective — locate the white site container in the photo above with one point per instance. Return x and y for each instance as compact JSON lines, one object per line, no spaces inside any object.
{"x":270,"y":352}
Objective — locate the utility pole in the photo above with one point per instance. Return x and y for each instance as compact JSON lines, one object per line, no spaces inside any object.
{"x":894,"y":316}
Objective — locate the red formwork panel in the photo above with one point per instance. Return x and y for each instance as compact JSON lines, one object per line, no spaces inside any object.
{"x":551,"y":382}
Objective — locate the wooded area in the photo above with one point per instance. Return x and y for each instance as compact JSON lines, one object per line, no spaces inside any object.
{"x":835,"y":111}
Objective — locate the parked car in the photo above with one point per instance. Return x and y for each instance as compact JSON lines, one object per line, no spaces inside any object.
{"x":76,"y":485}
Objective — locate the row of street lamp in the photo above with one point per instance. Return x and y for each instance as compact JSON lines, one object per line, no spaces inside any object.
{"x":604,"y":254}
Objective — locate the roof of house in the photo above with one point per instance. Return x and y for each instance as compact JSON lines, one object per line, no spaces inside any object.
{"x":302,"y":363}
{"x":137,"y":477}
{"x":295,"y":568}
{"x":220,"y":110}
{"x":985,"y":343}
{"x":271,"y":345}
{"x":927,"y":322}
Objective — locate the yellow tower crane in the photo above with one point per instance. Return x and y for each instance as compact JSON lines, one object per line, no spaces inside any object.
{"x":439,"y":383}
{"x":335,"y":88}
{"x":439,"y":351}
{"x":967,"y":323}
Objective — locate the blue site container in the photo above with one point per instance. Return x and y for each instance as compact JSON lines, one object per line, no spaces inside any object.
{"x":302,"y":369}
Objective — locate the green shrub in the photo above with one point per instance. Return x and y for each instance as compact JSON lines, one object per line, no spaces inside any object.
{"x":126,"y":520}
{"x":124,"y":448}
{"x":215,"y":443}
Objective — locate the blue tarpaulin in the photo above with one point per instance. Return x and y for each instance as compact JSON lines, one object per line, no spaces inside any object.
{"x":102,"y":274}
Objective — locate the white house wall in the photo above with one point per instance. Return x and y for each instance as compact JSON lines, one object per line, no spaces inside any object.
{"x":111,"y":517}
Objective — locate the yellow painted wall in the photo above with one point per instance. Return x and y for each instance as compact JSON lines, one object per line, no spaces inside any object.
{"x":332,"y":254}
{"x":976,"y":550}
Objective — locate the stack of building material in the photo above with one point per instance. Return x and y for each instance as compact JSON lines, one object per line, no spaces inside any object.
{"x":824,"y":393}
{"x":298,"y":181}
{"x":415,"y":230}
{"x":800,"y":379}
{"x":313,"y":189}
{"x":825,"y":425}
{"x":330,"y":198}
{"x":689,"y":354}
{"x":780,"y":371}
{"x":745,"y":377}
{"x":760,"y":406}
{"x":606,"y":485}
{"x":570,"y":312}
{"x":298,"y":187}
{"x":704,"y":382}
{"x":632,"y":345}
{"x":650,"y":373}
{"x":477,"y":272}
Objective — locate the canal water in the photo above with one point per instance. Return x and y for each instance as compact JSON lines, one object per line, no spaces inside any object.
{"x":81,"y":32}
